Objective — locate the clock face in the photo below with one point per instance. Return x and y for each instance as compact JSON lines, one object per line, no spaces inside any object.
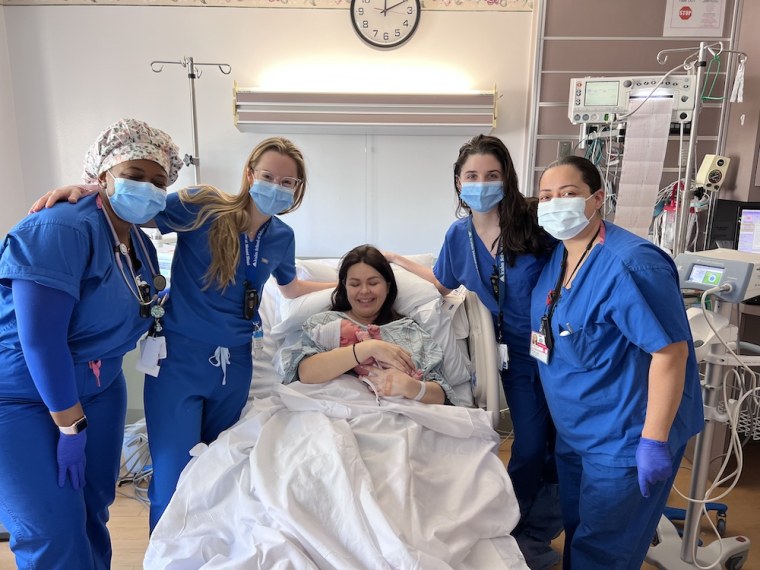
{"x":385,"y":23}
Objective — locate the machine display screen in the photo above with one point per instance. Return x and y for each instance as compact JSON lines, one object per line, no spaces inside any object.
{"x":602,"y":93}
{"x":706,"y":275}
{"x":749,"y":231}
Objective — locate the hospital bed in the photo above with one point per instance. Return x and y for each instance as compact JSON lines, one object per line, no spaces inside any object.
{"x":325,"y":476}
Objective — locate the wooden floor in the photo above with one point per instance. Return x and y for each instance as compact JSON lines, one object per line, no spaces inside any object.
{"x":129,"y":519}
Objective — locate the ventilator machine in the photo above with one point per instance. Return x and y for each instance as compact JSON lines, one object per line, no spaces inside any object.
{"x":730,"y":393}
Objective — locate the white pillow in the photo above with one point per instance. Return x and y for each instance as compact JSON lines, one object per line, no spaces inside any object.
{"x":413,"y":291}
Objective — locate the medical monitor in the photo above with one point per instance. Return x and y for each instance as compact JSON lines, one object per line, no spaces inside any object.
{"x":749,"y":232}
{"x":601,"y":93}
{"x":706,"y":274}
{"x":600,"y":100}
{"x":726,"y":224}
{"x":713,"y":268}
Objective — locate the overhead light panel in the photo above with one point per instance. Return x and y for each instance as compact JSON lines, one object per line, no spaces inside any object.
{"x":261,"y":110}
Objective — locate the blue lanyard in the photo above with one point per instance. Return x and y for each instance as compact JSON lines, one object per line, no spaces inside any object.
{"x":251,"y":263}
{"x":253,"y":260}
{"x":500,"y":288}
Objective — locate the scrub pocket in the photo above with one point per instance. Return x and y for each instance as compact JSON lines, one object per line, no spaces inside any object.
{"x":585,"y":348}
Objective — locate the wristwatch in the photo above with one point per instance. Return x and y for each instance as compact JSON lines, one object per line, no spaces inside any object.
{"x":77,"y":427}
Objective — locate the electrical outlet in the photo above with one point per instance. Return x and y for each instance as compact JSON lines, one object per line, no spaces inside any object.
{"x":564,"y":148}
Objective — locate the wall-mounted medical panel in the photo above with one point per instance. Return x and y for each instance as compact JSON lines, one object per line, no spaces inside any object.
{"x":467,"y":113}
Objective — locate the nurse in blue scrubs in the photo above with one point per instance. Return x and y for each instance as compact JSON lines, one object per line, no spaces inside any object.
{"x":77,"y":284}
{"x":618,"y":368}
{"x":227,"y":247}
{"x":498,"y":251}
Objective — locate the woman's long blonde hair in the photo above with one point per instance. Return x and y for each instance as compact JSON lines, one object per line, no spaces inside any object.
{"x":230,"y":213}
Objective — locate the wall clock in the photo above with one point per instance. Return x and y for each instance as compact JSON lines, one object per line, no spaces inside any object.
{"x":385,"y":23}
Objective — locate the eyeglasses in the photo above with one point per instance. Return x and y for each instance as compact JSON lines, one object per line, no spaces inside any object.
{"x":285,"y":181}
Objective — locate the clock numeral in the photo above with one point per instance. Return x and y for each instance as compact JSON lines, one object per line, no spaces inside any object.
{"x":374,"y":33}
{"x":360,"y":11}
{"x":409,"y":10}
{"x":365,"y":24}
{"x":397,"y":33}
{"x":386,"y":37}
{"x":406,"y":23}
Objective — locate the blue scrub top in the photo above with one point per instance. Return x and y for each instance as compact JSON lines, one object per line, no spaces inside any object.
{"x":625,"y":303}
{"x":70,"y":248}
{"x":455,"y":266}
{"x":215,"y":315}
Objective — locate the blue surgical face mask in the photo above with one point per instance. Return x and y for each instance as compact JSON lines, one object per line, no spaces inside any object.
{"x":563,"y":218}
{"x":136,"y":202}
{"x":271,"y":198}
{"x":482,"y":196}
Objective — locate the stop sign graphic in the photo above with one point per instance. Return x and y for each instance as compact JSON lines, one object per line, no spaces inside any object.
{"x":684,"y":13}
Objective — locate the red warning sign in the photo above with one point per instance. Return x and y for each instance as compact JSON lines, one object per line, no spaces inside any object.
{"x":684,"y":13}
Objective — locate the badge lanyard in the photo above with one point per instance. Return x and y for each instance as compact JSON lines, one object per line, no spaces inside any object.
{"x":251,"y":296}
{"x":253,"y":260}
{"x":553,"y":297}
{"x":498,"y":289}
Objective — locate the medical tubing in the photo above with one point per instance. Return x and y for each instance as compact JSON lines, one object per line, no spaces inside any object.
{"x":42,"y":316}
{"x":734,"y":446}
{"x":663,"y":78}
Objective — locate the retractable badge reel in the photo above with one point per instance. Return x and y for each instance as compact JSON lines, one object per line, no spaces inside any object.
{"x":250,"y":304}
{"x":153,"y":347}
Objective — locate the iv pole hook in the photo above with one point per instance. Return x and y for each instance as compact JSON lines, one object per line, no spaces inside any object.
{"x":192,"y":75}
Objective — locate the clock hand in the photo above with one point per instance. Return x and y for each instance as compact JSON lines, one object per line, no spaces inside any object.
{"x":394,"y":5}
{"x":385,"y":7}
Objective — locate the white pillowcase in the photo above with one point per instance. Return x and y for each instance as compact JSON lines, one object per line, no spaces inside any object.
{"x":417,"y":298}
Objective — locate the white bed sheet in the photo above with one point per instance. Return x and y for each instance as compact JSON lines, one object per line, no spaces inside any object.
{"x":324,"y":477}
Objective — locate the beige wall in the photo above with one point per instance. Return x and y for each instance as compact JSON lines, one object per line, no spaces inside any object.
{"x":743,"y":136}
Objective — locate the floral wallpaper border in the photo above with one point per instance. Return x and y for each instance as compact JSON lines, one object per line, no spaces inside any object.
{"x":465,"y":5}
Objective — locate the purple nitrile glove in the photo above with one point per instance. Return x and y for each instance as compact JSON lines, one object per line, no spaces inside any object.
{"x":654,"y":463}
{"x":71,"y":459}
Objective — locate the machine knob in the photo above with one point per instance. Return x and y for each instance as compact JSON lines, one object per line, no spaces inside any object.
{"x":627,"y":83}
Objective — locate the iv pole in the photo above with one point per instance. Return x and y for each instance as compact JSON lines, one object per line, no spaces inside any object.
{"x":192,"y":75}
{"x":684,"y":196}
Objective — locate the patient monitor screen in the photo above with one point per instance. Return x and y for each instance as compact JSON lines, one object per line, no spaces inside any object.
{"x":706,"y":275}
{"x":749,"y":232}
{"x":602,"y":93}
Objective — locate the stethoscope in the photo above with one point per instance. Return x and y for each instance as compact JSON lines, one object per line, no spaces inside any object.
{"x":141,"y":291}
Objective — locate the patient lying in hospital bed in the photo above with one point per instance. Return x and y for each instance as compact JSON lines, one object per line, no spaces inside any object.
{"x":326,"y":476}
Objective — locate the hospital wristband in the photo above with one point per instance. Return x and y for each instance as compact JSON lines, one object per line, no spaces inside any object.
{"x":353,"y":347}
{"x":421,"y":393}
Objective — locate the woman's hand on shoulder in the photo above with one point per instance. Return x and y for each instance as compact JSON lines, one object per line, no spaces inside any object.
{"x":387,"y":354}
{"x":71,"y":193}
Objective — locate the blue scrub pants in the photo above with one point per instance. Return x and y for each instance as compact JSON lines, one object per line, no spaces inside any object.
{"x":187,"y":404}
{"x":54,"y":527}
{"x":608,"y":524}
{"x":531,"y":464}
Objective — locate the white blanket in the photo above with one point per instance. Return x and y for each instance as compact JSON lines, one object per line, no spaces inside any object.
{"x":322,"y":476}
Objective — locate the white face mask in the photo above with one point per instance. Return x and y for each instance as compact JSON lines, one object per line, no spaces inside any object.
{"x":563,"y":218}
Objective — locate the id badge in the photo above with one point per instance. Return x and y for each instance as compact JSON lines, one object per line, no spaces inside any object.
{"x":258,"y":341}
{"x":503,"y":356}
{"x":538,"y":348}
{"x":152,"y":349}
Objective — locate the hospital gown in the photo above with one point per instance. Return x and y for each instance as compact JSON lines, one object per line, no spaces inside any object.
{"x":426,"y":354}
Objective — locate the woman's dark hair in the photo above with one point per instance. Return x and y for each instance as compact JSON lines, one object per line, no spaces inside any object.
{"x":374,"y":258}
{"x":520,"y":232}
{"x":589,"y":171}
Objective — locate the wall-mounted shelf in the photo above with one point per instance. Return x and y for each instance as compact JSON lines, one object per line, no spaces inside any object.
{"x":373,"y":113}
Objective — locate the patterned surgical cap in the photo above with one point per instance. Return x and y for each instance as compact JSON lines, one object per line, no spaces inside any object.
{"x":130,"y":139}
